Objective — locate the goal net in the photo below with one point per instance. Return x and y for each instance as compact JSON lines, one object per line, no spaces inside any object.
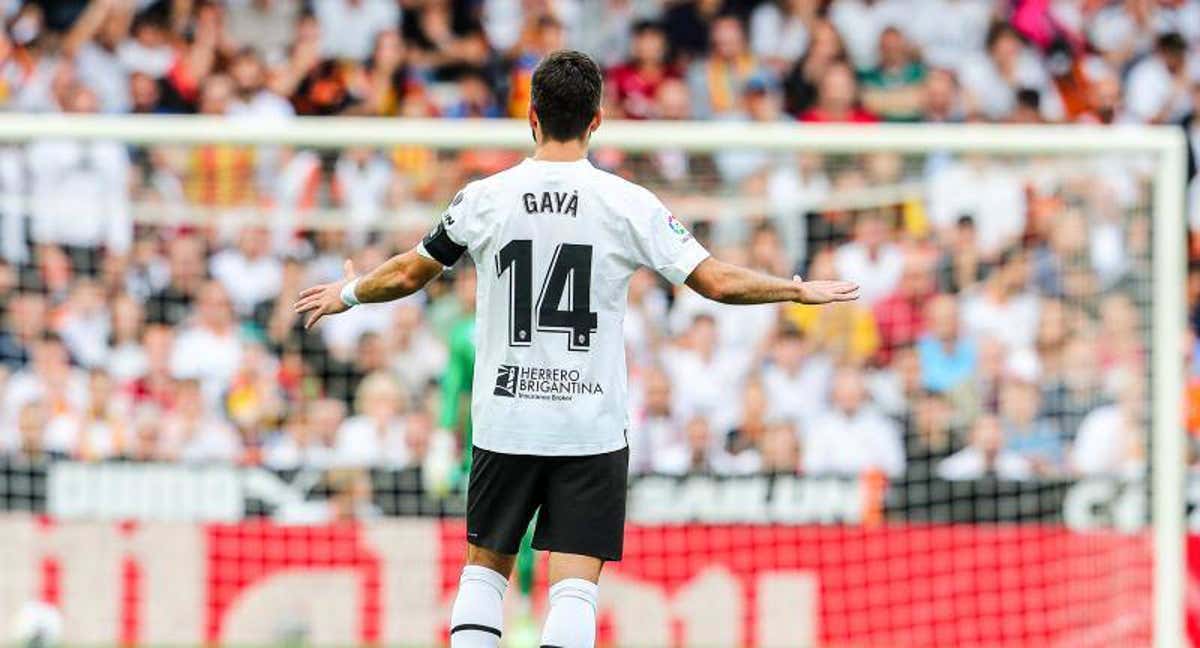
{"x":984,"y":450}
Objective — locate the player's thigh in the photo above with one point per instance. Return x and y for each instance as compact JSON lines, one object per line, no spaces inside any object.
{"x":493,"y":560}
{"x":583,"y":511}
{"x":502,"y":495}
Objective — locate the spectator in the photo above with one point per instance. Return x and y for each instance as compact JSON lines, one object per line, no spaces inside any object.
{"x":251,"y":96}
{"x":249,"y":273}
{"x":27,"y":439}
{"x":985,"y":457}
{"x":1026,"y":431}
{"x":779,"y":31}
{"x":717,"y":80}
{"x":852,"y":437}
{"x":796,"y":381}
{"x":1112,"y":438}
{"x":348,"y":27}
{"x":307,"y":438}
{"x":939,"y":98}
{"x":992,"y":80}
{"x":172,"y":303}
{"x":635,"y":83}
{"x":780,"y":449}
{"x":266,"y":25}
{"x":948,"y":358}
{"x":860,"y":22}
{"x":209,"y":350}
{"x":375,"y":435}
{"x":870,"y":259}
{"x":948,"y":31}
{"x":25,"y":322}
{"x":1004,"y":308}
{"x":931,"y":437}
{"x":837,"y":99}
{"x":192,"y":433}
{"x":80,"y":192}
{"x":893,"y":89}
{"x":654,"y":426}
{"x":701,"y":371}
{"x":900,"y":316}
{"x":1158,"y":90}
{"x":801,"y":82}
{"x":695,"y":455}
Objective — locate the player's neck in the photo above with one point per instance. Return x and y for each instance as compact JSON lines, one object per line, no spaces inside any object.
{"x":554,"y":151}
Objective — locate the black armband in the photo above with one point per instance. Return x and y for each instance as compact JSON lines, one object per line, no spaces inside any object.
{"x":441,"y":247}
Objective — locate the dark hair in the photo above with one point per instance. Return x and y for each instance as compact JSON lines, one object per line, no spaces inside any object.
{"x":565,"y":92}
{"x":1171,"y":43}
{"x":645,"y":25}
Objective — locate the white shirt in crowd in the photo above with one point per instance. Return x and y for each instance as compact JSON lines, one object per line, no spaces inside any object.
{"x":996,"y":98}
{"x":860,"y":23}
{"x":213,"y":359}
{"x":282,"y":452}
{"x":363,"y":442}
{"x":209,"y":440}
{"x":80,"y":194}
{"x":364,"y":189}
{"x":971,"y":463}
{"x":1113,"y":29}
{"x":1103,"y":444}
{"x":739,"y":327}
{"x":703,"y":386}
{"x":838,"y":443}
{"x":105,"y":74}
{"x":801,"y":395}
{"x":1150,"y":90}
{"x":774,"y":34}
{"x":1013,"y":323}
{"x":71,"y":435}
{"x":989,"y":194}
{"x":348,"y":29}
{"x":876,"y":275}
{"x":947,"y":31}
{"x":249,"y":282}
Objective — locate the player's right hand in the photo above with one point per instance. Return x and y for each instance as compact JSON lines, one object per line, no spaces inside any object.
{"x":825,"y":292}
{"x":325,"y":299}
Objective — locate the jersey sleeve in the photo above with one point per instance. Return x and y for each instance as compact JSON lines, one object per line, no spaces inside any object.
{"x":663,"y":243}
{"x":460,"y":229}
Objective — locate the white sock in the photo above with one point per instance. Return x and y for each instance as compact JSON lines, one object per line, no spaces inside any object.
{"x":478,"y":615}
{"x":571,"y":622}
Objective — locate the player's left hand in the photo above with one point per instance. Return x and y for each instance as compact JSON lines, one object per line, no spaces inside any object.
{"x":325,"y":299}
{"x":825,"y":292}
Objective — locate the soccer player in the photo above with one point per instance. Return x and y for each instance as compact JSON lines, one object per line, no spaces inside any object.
{"x":555,"y":241}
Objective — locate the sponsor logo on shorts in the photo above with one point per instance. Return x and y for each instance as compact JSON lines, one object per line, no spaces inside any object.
{"x":539,"y":383}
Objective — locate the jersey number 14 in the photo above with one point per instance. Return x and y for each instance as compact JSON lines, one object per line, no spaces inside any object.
{"x":570,"y":272}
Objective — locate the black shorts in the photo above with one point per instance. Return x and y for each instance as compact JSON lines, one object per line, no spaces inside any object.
{"x":580,"y":502}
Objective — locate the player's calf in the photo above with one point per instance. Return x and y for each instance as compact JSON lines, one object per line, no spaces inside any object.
{"x":571,"y":621}
{"x":477,"y":619}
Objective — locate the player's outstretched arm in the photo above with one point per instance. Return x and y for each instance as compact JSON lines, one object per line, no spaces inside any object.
{"x":399,"y":276}
{"x":731,"y":284}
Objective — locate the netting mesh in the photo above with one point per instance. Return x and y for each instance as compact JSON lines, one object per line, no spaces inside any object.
{"x":957,"y":459}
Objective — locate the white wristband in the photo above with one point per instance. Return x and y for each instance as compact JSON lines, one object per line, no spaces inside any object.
{"x":348,"y":296}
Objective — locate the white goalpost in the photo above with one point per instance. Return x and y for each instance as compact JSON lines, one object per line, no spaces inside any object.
{"x":1163,"y":148}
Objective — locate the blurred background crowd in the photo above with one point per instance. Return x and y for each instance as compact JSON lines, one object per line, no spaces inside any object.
{"x":146,"y":292}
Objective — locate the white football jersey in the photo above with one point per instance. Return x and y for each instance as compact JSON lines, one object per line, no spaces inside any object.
{"x":554,"y":245}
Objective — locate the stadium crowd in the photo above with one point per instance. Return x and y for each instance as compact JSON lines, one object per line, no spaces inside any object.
{"x":146,"y":292}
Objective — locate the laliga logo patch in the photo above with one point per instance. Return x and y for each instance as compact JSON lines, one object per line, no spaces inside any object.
{"x":676,"y":226}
